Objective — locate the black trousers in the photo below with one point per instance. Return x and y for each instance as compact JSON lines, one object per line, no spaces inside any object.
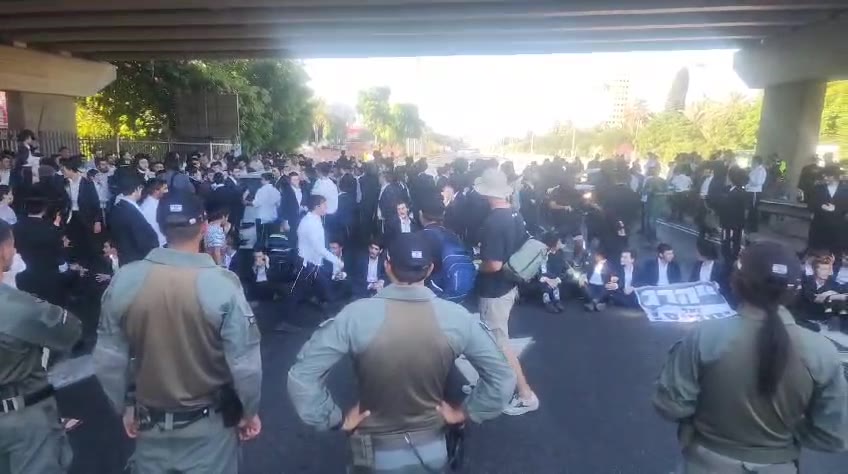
{"x":731,"y":243}
{"x":263,"y":231}
{"x":85,"y":244}
{"x":754,"y":214}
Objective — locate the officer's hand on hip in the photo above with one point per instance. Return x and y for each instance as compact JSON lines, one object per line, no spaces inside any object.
{"x":130,"y":423}
{"x":249,"y":428}
{"x":354,"y":418}
{"x":452,"y":416}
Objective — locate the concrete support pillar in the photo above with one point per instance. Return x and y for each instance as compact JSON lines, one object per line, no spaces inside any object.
{"x":790,"y":124}
{"x":41,"y":112}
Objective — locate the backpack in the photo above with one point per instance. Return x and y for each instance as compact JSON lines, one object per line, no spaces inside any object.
{"x":455,"y":279}
{"x":526,"y":262}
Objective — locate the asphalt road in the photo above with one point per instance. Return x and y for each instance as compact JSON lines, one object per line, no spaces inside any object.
{"x":593,"y":372}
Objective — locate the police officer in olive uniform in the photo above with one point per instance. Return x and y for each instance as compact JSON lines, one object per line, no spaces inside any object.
{"x":404,"y":342}
{"x":750,"y":391}
{"x":178,"y":352}
{"x":32,"y":440}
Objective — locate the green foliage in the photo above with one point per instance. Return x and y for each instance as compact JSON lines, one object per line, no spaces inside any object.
{"x":274,"y":101}
{"x":834,"y":126}
{"x":670,"y":133}
{"x":391,"y":124}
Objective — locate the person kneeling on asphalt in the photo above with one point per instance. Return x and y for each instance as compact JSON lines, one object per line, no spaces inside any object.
{"x":404,"y":342}
{"x":32,"y":440}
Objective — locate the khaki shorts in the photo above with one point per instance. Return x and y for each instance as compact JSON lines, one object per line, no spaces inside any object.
{"x":495,"y":313}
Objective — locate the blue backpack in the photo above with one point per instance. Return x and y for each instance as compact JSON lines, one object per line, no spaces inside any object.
{"x":455,"y":279}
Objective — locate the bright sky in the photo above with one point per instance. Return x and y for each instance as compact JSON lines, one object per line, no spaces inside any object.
{"x":484,"y":98}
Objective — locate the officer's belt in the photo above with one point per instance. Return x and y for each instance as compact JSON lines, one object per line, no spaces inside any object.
{"x":20,"y":402}
{"x":160,"y":416}
{"x":403,"y":440}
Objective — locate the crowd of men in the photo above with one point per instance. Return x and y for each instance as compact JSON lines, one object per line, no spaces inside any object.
{"x":397,"y":237}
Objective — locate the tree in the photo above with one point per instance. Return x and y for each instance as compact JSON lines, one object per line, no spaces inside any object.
{"x":274,"y":101}
{"x":669,"y":134}
{"x":373,"y":105}
{"x":679,"y":90}
{"x":732,"y":124}
{"x":834,"y":125}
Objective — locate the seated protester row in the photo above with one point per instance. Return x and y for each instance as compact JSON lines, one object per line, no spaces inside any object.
{"x":368,"y":273}
{"x":821,"y":296}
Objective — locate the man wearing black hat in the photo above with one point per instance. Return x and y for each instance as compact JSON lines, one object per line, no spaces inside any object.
{"x":403,"y":341}
{"x":84,"y":221}
{"x":829,"y":205}
{"x":197,"y":371}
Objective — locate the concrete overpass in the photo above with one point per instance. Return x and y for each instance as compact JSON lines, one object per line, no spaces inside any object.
{"x":789,"y":47}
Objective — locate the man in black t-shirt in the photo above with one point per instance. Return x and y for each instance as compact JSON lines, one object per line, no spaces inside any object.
{"x":501,"y":235}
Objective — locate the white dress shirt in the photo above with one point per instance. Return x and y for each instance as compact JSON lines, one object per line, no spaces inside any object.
{"x":8,"y":215}
{"x":662,"y":270}
{"x":149,"y":207}
{"x":628,"y":277}
{"x":266,"y":202}
{"x":842,"y":276}
{"x":379,"y":211}
{"x":327,"y":188}
{"x":705,"y":187}
{"x":101,"y":184}
{"x":756,"y":179}
{"x":406,"y":225}
{"x":4,"y":177}
{"x":73,"y":192}
{"x":681,"y":183}
{"x":597,"y":278}
{"x":831,"y":189}
{"x":634,"y":182}
{"x":372,"y":275}
{"x":706,"y":271}
{"x":298,"y":195}
{"x":18,"y":265}
{"x":358,"y":189}
{"x":311,"y":241}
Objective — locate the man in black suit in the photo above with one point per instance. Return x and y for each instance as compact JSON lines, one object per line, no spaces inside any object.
{"x":662,"y":270}
{"x":400,"y":223}
{"x":84,"y":222}
{"x":39,"y":242}
{"x":293,"y":203}
{"x":732,"y":209}
{"x":368,"y":275}
{"x":422,"y":186}
{"x":598,"y":285}
{"x":829,"y":205}
{"x":625,"y":280}
{"x":369,"y":190}
{"x":708,"y":267}
{"x":391,"y":194}
{"x":131,"y":233}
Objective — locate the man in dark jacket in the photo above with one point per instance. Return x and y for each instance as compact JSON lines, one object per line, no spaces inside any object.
{"x":131,"y":233}
{"x":84,"y":222}
{"x":662,"y":270}
{"x":829,"y":205}
{"x":368,"y":273}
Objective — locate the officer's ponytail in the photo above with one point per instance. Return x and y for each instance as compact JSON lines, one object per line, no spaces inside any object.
{"x":773,"y":343}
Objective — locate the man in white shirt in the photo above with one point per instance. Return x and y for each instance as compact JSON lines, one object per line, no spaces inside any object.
{"x":101,"y":181}
{"x":703,"y":194}
{"x":5,"y":169}
{"x":312,"y":248}
{"x":595,"y":288}
{"x":681,"y":183}
{"x":756,"y":180}
{"x":155,"y":190}
{"x":325,"y":186}
{"x":266,"y":202}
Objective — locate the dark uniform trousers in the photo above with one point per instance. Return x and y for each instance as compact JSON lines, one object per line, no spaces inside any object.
{"x":32,"y":441}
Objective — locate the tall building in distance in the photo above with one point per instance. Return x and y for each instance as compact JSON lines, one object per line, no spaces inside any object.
{"x":620,"y":98}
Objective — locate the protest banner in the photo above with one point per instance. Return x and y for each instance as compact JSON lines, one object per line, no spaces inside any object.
{"x":683,"y":302}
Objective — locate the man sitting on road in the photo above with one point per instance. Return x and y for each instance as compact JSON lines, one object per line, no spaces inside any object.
{"x":662,"y":270}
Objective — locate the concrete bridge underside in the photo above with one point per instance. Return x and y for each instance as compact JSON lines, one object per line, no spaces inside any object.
{"x":791,"y":48}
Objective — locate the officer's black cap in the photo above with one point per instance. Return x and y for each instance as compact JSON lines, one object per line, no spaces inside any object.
{"x":410,"y":252}
{"x":767,"y":260}
{"x":178,"y":209}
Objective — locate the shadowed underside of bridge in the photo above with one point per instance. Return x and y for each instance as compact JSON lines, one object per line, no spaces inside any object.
{"x":177,"y":29}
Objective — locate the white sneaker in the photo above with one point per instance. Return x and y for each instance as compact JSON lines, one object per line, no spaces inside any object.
{"x":519,"y":406}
